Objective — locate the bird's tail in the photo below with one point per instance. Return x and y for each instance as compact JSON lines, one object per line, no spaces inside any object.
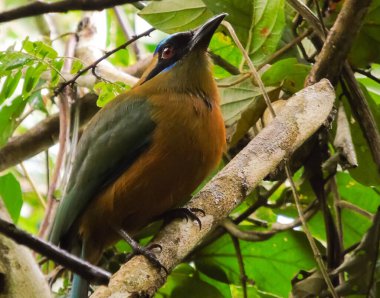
{"x":79,"y":288}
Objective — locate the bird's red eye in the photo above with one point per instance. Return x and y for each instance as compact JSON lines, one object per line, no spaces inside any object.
{"x":167,"y":53}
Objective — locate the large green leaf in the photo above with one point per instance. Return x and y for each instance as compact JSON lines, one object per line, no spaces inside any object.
{"x":270,"y":264}
{"x":258,"y":23}
{"x":367,"y":171}
{"x":10,"y":192}
{"x":237,"y":98}
{"x":288,"y":73}
{"x":356,"y":225}
{"x":172,"y":16}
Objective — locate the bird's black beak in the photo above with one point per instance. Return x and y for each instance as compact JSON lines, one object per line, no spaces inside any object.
{"x":202,"y":35}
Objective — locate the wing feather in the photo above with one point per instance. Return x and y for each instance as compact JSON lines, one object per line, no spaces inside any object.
{"x":113,"y":140}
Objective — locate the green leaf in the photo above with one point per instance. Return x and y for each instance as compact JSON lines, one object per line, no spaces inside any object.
{"x":173,"y":16}
{"x":13,"y":60}
{"x":366,"y":198}
{"x":10,"y":86}
{"x":32,"y":76}
{"x":8,"y":117}
{"x":10,"y":191}
{"x":224,"y":46}
{"x":288,"y":73}
{"x":77,"y":66}
{"x":367,"y":172}
{"x":108,"y":91}
{"x":39,"y":49}
{"x":270,"y":264}
{"x":258,"y":23}
{"x":55,"y":71}
{"x":235,"y":99}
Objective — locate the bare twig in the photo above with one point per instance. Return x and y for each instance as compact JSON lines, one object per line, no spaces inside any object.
{"x":60,"y":256}
{"x":33,"y":185}
{"x":39,"y":7}
{"x":127,"y":30}
{"x":64,"y":100}
{"x":251,"y":235}
{"x":285,"y":48}
{"x":368,"y":74}
{"x":348,"y":205}
{"x":308,"y":15}
{"x":218,"y":60}
{"x":338,"y":216}
{"x":250,"y":65}
{"x":243,"y":276}
{"x":240,"y":79}
{"x":313,"y":245}
{"x":105,"y":56}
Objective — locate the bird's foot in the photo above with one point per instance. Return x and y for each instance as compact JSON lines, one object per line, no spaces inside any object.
{"x":137,"y":249}
{"x":188,"y":213}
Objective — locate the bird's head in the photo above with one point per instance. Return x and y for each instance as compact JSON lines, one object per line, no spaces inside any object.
{"x":182,"y":56}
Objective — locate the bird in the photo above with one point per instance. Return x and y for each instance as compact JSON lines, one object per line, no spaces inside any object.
{"x":145,"y":152}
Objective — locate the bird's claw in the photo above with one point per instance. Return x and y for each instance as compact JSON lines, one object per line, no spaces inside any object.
{"x":187,"y":213}
{"x":147,"y":252}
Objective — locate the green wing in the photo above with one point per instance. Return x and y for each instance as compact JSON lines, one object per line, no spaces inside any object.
{"x":113,"y":140}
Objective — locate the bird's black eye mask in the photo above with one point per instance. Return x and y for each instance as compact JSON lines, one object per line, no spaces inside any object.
{"x":169,"y":51}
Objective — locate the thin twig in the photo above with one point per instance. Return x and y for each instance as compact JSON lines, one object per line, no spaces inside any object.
{"x":105,"y":56}
{"x":64,"y":100}
{"x":60,"y":256}
{"x":243,"y":276}
{"x":38,"y":7}
{"x":251,"y":66}
{"x":310,"y":238}
{"x":253,"y":235}
{"x":218,"y":60}
{"x":286,"y":47}
{"x":338,"y":216}
{"x":237,"y":81}
{"x":320,"y":17}
{"x":348,"y":205}
{"x":308,"y":15}
{"x":127,"y":30}
{"x":368,"y":74}
{"x":33,"y":185}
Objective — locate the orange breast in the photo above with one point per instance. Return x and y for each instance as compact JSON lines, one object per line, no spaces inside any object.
{"x":188,"y":143}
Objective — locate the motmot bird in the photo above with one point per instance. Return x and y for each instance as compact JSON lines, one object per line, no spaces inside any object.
{"x":146,"y":151}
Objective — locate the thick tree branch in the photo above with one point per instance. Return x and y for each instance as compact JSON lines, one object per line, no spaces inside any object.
{"x":38,"y":8}
{"x":339,"y":41}
{"x":42,"y":136}
{"x":303,"y":114}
